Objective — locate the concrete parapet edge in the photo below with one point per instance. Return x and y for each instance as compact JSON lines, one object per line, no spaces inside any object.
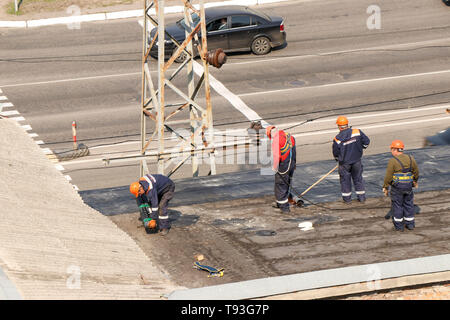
{"x":329,"y":283}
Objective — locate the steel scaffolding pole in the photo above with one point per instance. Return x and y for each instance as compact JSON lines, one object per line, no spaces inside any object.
{"x":154,"y":102}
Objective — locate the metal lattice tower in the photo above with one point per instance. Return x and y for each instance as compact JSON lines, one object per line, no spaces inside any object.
{"x":153,"y":103}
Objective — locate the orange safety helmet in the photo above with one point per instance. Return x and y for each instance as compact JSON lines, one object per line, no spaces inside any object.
{"x":150,"y":224}
{"x":268,"y":129}
{"x":134,"y":188}
{"x":342,"y":121}
{"x":397,"y":144}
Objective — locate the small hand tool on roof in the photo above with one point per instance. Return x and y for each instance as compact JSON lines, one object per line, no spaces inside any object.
{"x":213,"y":272}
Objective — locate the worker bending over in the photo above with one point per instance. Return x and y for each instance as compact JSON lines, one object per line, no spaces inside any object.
{"x":402,"y":174}
{"x":284,"y":163}
{"x":153,"y":193}
{"x":348,"y":148}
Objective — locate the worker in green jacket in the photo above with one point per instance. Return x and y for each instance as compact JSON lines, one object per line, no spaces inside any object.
{"x":402,"y":174}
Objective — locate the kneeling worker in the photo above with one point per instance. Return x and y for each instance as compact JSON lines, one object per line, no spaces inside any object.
{"x":154,"y":192}
{"x":402,"y":174}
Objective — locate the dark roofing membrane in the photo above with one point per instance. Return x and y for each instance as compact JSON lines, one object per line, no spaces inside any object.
{"x":433,"y":162}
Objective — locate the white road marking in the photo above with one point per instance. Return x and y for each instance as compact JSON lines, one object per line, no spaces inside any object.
{"x":331,"y":132}
{"x":396,"y":124}
{"x":59,"y":167}
{"x":218,"y":86}
{"x":235,"y":63}
{"x":70,"y":79}
{"x":232,"y":132}
{"x":346,"y":83}
{"x":387,"y":47}
{"x":18,"y":119}
{"x":27,"y":127}
{"x":9,"y":113}
{"x":47,"y":151}
{"x":371,"y":114}
{"x":6,"y":104}
{"x":235,"y":101}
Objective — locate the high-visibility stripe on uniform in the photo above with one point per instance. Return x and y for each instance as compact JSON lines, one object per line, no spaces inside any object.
{"x":337,"y":141}
{"x":163,"y":217}
{"x":349,"y":141}
{"x":409,"y":219}
{"x":402,"y":177}
{"x":360,"y":192}
{"x":150,"y":184}
{"x":355,"y":132}
{"x":398,"y":220}
{"x":287,"y":145}
{"x":282,"y":201}
{"x":155,"y":209}
{"x":346,"y":194}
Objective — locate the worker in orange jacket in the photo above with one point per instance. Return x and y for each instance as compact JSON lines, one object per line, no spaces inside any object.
{"x":284,"y":163}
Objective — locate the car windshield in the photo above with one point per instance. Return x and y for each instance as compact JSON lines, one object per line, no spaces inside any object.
{"x":195,"y":19}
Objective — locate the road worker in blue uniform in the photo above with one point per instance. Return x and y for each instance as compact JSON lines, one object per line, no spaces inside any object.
{"x":284,"y":164}
{"x":348,"y":148}
{"x":153,"y":193}
{"x":402,"y":174}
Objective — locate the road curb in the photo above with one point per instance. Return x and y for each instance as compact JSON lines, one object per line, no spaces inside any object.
{"x":119,"y":14}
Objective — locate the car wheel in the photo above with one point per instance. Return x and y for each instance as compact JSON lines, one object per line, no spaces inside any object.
{"x":261,"y":45}
{"x":183,"y":55}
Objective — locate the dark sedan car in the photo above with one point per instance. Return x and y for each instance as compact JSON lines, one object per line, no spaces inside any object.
{"x":232,"y":28}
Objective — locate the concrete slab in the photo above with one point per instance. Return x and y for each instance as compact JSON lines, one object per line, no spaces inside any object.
{"x":251,"y":240}
{"x":56,"y":247}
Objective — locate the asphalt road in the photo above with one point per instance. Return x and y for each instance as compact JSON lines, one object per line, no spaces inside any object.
{"x":333,"y":64}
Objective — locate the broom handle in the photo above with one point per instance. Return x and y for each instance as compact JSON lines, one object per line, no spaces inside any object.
{"x":315,"y":183}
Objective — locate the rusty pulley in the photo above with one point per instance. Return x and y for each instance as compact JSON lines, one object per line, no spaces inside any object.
{"x":216,"y":57}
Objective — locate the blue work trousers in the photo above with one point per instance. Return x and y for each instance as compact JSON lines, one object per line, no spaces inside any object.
{"x":402,"y":208}
{"x":347,"y":173}
{"x":282,"y":188}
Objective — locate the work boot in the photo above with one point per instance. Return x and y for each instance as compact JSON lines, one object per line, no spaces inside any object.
{"x":399,"y":229}
{"x":347,"y":202}
{"x":163,"y":232}
{"x":410,"y":227}
{"x":388,"y":215}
